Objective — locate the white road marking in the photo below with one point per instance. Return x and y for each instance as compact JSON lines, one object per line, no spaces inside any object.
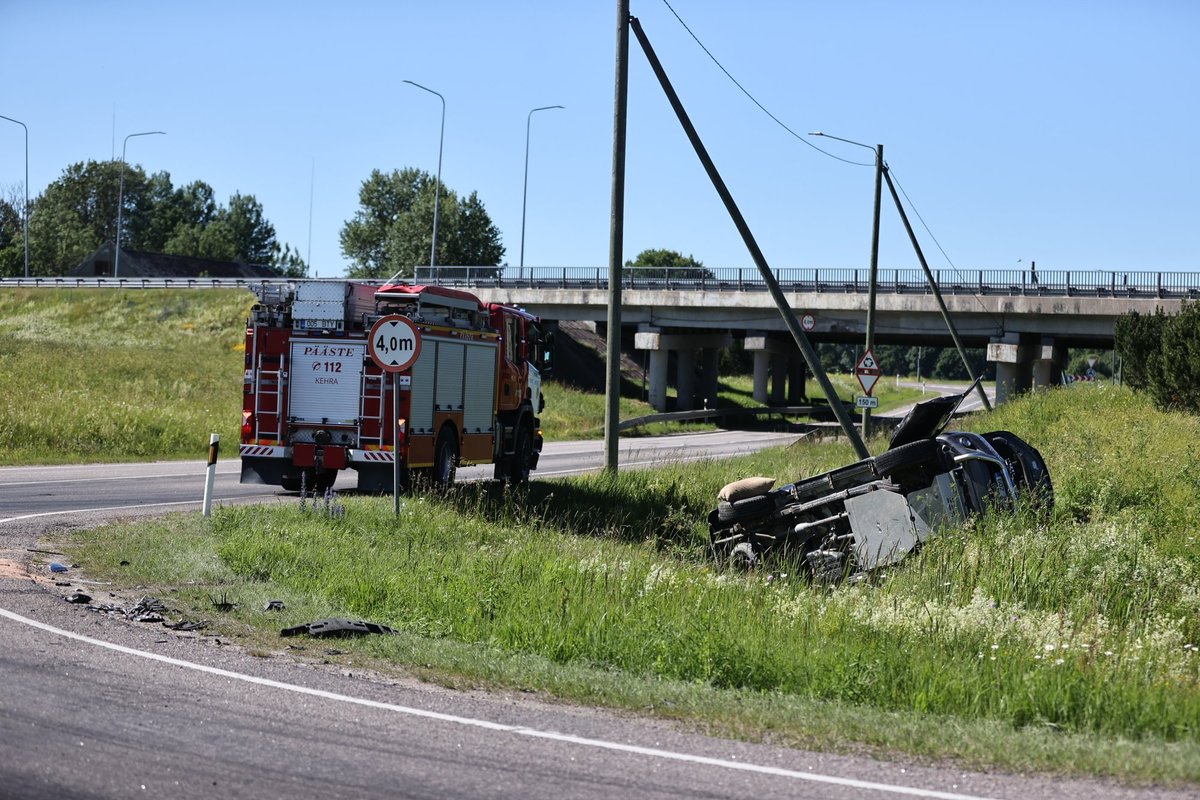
{"x":124,"y":508}
{"x":518,"y":730}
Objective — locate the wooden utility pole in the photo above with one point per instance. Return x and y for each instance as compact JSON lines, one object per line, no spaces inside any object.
{"x":612,"y":383}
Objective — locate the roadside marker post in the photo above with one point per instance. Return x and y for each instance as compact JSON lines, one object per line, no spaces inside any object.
{"x":214,"y":444}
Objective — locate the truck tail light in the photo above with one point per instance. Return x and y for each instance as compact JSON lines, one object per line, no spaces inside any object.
{"x":247,"y":425}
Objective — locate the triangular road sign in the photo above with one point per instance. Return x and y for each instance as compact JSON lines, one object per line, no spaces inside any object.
{"x":867,"y":363}
{"x":867,"y":381}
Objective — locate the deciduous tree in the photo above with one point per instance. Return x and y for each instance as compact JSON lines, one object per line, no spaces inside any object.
{"x":12,"y":235}
{"x":392,"y":231}
{"x":659,"y":263}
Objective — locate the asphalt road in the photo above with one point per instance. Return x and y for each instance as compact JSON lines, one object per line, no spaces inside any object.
{"x":99,"y":707}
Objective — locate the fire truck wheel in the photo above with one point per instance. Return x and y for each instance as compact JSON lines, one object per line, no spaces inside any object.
{"x":445,"y":458}
{"x":518,"y":470}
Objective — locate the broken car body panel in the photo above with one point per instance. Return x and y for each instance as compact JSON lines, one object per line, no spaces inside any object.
{"x":873,"y":513}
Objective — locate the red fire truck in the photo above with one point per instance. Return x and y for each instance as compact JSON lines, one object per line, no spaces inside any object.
{"x":316,"y":402}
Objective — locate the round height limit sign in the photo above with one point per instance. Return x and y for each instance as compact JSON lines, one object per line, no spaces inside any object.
{"x":394,"y":343}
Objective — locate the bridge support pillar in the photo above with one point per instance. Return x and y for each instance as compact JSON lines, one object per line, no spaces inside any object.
{"x":685,"y":346}
{"x":762,"y":370}
{"x":1050,"y":362}
{"x":685,"y":379}
{"x":658,"y":380}
{"x":779,"y":369}
{"x":797,"y":375}
{"x":710,"y":369}
{"x":778,"y":361}
{"x":1014,"y":366}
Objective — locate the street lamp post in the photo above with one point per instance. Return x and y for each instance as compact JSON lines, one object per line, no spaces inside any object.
{"x":26,"y":222}
{"x":437,"y":189}
{"x":878,"y":150}
{"x":121,"y":199}
{"x":525,"y":192}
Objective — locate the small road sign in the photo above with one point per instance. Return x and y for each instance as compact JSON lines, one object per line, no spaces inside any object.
{"x":394,"y":343}
{"x":867,"y":372}
{"x":808,"y":322}
{"x":867,"y":363}
{"x":866,"y":402}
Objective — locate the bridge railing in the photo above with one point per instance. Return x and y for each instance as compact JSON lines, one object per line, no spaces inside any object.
{"x":1009,"y":283}
{"x":1051,"y":283}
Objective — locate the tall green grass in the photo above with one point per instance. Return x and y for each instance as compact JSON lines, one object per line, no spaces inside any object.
{"x":111,"y":375}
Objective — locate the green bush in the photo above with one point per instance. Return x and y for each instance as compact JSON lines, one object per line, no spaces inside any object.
{"x":1160,"y":355}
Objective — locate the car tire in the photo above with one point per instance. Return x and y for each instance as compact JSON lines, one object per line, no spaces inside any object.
{"x":749,"y":508}
{"x":1027,"y":466}
{"x":743,"y":557}
{"x":911,"y":466}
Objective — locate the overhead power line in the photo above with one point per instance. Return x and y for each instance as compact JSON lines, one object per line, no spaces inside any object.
{"x":800,"y":138}
{"x":754,"y":100}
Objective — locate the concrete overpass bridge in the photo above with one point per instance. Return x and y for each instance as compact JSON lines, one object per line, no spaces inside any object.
{"x":1025,"y":320}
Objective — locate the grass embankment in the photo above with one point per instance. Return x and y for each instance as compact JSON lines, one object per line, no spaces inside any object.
{"x":110,"y":375}
{"x":1068,"y":644}
{"x":95,"y":375}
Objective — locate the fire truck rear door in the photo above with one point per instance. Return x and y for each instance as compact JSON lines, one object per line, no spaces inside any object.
{"x":326,"y":378}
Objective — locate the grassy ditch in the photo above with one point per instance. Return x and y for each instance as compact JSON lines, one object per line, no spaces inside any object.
{"x":1068,"y":644}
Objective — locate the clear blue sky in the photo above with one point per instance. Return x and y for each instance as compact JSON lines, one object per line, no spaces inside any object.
{"x":1063,"y":132}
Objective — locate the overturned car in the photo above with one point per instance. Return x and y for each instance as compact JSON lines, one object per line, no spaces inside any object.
{"x":873,"y":513}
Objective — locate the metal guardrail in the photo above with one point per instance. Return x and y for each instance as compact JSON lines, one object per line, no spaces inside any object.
{"x":1010,"y":283}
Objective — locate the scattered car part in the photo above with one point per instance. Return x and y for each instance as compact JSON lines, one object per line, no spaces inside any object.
{"x":186,"y":625}
{"x":334,"y":627}
{"x":223,"y":604}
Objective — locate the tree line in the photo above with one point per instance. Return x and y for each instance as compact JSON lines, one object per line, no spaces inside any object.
{"x":390,"y":233}
{"x":77,"y":213}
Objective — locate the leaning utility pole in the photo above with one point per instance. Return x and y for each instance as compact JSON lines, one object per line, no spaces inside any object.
{"x":612,"y":382}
